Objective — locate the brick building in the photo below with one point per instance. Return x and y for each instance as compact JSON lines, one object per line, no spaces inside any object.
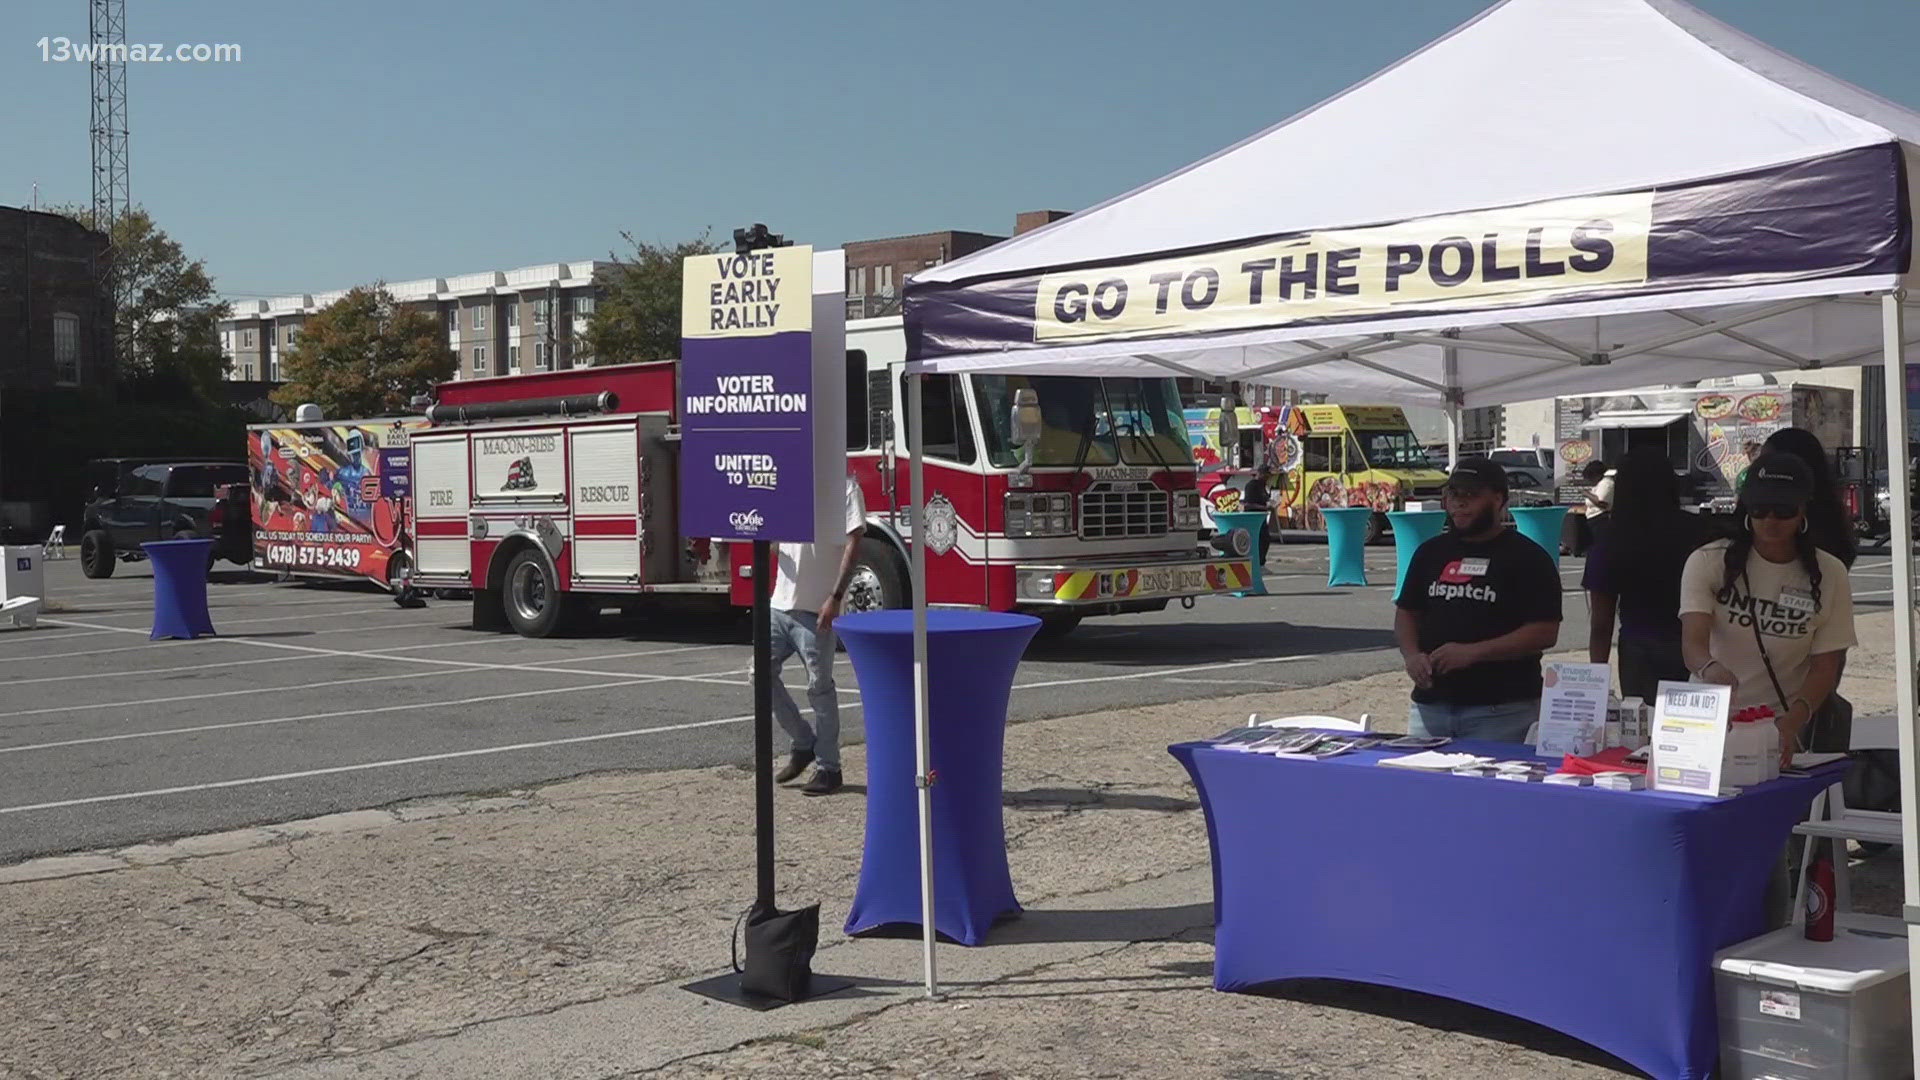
{"x":877,"y":269}
{"x":56,"y":311}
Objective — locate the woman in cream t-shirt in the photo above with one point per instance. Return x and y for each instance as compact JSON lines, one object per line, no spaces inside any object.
{"x":1770,"y":578}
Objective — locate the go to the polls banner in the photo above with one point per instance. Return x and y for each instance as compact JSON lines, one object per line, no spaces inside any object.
{"x":746,"y":395}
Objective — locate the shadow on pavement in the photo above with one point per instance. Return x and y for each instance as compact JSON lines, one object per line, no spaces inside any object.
{"x":1441,"y":1014}
{"x":1039,"y":798}
{"x":1032,"y":927}
{"x":1206,"y":643}
{"x":1098,"y":924}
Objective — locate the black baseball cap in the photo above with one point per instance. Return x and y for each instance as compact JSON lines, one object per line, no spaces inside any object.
{"x":1777,"y":479}
{"x":1478,"y":472}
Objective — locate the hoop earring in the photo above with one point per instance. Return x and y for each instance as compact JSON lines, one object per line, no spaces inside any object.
{"x":1747,"y":522}
{"x":1803,"y":526}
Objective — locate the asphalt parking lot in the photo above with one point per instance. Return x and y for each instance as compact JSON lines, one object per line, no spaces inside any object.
{"x":320,"y":698}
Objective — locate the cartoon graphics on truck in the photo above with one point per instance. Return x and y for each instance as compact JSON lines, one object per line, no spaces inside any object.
{"x":552,"y":496}
{"x":1355,"y":455}
{"x":331,"y":498}
{"x":1262,"y":441}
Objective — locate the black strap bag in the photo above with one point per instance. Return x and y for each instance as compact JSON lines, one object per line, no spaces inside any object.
{"x":780,"y":948}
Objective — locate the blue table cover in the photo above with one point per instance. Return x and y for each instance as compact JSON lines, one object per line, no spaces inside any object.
{"x":1346,"y":544}
{"x":1411,"y":528}
{"x":1250,"y":522}
{"x":180,"y":588}
{"x":971,"y":658}
{"x":1480,"y":890}
{"x":1541,"y":524}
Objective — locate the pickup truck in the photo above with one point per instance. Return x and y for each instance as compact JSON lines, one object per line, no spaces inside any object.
{"x":137,"y":500}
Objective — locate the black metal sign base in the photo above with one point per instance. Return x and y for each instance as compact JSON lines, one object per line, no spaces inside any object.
{"x":727,"y":988}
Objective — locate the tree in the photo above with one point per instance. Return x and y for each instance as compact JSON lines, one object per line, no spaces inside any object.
{"x":364,"y":355}
{"x":638,"y":314}
{"x":166,"y":322}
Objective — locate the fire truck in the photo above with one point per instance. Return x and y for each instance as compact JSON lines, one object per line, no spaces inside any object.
{"x":552,"y":496}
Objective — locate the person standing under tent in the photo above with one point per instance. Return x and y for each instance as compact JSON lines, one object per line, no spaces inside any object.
{"x":1827,"y":523}
{"x":1258,"y":498}
{"x":1633,"y":570}
{"x":1770,"y":614}
{"x":1479,"y":606}
{"x":1595,"y":507}
{"x":809,"y":587}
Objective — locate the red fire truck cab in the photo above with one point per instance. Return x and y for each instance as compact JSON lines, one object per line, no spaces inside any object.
{"x":552,"y":496}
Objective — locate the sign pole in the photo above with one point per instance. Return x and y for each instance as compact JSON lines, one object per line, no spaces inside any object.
{"x":763,"y":723}
{"x":755,"y":433}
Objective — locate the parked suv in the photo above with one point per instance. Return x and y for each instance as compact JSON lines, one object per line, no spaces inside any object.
{"x":1524,"y":457}
{"x":137,"y":500}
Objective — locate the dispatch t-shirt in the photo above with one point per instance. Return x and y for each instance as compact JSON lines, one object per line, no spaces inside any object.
{"x":1778,"y":597}
{"x":1467,"y":592}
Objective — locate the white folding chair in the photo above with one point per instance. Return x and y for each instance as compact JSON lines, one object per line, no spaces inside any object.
{"x":56,"y":545}
{"x":1321,"y":723}
{"x":24,"y":611}
{"x":1834,"y":821}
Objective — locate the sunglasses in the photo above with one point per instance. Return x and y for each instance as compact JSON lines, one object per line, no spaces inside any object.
{"x":1781,"y":511}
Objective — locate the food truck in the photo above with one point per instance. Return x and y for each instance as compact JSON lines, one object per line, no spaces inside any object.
{"x":1708,"y":434}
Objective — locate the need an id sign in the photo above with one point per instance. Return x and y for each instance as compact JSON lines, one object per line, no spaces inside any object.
{"x":748,"y":401}
{"x":1689,"y":737}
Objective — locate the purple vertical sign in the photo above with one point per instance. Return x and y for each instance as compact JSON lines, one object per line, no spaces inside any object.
{"x":746,"y":389}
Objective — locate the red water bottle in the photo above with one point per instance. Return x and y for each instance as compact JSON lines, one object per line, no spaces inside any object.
{"x":1820,"y":898}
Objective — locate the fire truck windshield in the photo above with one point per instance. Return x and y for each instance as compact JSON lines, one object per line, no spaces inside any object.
{"x":1130,"y":419}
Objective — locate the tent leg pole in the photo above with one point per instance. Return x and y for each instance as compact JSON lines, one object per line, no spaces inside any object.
{"x":923,"y":750}
{"x":1450,"y":375}
{"x":1900,"y":479}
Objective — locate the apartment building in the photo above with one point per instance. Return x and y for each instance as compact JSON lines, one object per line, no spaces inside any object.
{"x":499,"y":322}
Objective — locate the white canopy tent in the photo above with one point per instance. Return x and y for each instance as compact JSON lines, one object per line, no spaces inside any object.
{"x":1561,"y":196}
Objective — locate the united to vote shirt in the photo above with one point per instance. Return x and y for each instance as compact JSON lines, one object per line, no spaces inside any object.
{"x":1468,"y":592}
{"x":1778,"y":599}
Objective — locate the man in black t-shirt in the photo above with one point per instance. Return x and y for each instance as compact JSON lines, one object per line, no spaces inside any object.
{"x":1479,"y":606}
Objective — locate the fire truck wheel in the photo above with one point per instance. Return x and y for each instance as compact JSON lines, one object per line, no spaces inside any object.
{"x":535,"y":606}
{"x":1055,"y":627}
{"x":1376,"y":529}
{"x":488,"y":614}
{"x":96,"y":554}
{"x":878,"y":581}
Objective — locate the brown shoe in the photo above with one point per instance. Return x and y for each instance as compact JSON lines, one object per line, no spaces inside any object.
{"x":824,"y":782}
{"x":795,"y":765}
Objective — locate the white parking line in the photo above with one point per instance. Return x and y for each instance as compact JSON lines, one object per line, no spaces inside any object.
{"x":546,"y":743}
{"x":531,"y":665}
{"x":389,"y":764}
{"x":232,"y":640}
{"x":387,"y":654}
{"x":488,"y":640}
{"x":409,"y":707}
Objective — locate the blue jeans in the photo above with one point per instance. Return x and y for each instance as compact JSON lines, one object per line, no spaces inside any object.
{"x":1506,"y":722}
{"x":798,"y":632}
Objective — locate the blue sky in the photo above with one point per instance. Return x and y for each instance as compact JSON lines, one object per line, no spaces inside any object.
{"x":358,"y":140}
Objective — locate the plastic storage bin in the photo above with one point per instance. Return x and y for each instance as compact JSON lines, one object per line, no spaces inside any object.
{"x":1793,"y":1009}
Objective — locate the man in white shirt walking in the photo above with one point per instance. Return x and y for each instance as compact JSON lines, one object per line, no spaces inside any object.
{"x":809,"y":586}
